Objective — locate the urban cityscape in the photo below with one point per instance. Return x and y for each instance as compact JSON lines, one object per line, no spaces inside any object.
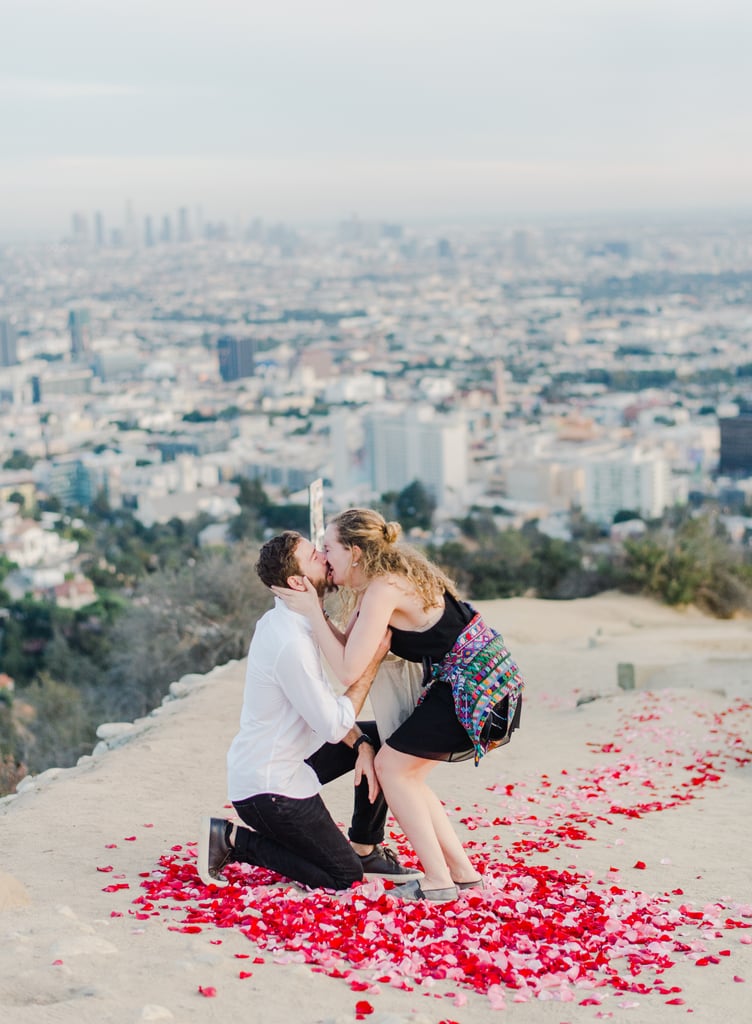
{"x":485,"y":269}
{"x":524,"y":370}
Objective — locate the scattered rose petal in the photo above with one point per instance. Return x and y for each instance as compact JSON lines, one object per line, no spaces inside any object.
{"x":209,"y":991}
{"x":538,"y":930}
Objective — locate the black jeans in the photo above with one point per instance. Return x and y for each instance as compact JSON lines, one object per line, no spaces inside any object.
{"x":299,"y":838}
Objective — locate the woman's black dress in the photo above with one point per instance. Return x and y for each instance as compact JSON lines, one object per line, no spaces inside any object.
{"x":433,"y":730}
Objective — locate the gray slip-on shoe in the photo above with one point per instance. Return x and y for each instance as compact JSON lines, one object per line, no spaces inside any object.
{"x":413,"y":891}
{"x":479,"y":883}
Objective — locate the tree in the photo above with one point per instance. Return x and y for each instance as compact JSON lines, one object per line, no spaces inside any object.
{"x":625,"y":515}
{"x":415,"y":507}
{"x":288,"y":517}
{"x":185,"y":620}
{"x":18,"y":460}
{"x":100,"y":506}
{"x":251,"y":494}
{"x":63,"y":726}
{"x":692,"y":564}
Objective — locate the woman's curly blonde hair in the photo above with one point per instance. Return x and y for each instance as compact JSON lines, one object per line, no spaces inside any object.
{"x":382,"y":556}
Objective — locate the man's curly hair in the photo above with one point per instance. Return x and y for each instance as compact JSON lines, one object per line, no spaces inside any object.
{"x":277,"y":559}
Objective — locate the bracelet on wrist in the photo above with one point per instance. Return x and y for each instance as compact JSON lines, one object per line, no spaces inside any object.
{"x":363,"y":738}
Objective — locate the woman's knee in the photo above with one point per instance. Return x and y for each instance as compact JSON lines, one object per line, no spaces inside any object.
{"x":383,"y":763}
{"x":391,"y":765}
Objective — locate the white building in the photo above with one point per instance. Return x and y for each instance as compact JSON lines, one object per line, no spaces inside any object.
{"x":550,"y":482}
{"x":26,"y":544}
{"x":627,"y":478}
{"x":418,"y":444}
{"x":360,"y":387}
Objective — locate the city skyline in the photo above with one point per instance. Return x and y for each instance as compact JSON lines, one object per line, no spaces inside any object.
{"x":416,"y":111}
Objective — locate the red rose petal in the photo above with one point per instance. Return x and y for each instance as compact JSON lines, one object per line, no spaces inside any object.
{"x":537,"y":930}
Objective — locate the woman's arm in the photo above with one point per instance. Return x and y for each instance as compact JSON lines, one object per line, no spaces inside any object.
{"x":342,"y":637}
{"x":348,"y":660}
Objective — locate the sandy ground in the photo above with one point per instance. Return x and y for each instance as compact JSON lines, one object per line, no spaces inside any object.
{"x":621,"y":814}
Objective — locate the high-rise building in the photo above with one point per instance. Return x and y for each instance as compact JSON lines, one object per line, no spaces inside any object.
{"x":236,"y":357}
{"x":444,"y":249}
{"x":500,"y":385}
{"x":80,"y":331}
{"x":80,"y":228}
{"x":626,"y":479}
{"x":8,"y":352}
{"x":99,"y":232}
{"x":524,"y":249}
{"x":418,"y":444}
{"x":55,"y":383}
{"x":184,"y":227}
{"x":131,"y":227}
{"x":70,"y":481}
{"x":148,"y":232}
{"x":736,"y":445}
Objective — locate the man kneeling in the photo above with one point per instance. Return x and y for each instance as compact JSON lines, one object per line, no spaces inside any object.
{"x":296,"y":735}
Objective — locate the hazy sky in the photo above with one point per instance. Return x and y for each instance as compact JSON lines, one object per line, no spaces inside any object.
{"x":313,"y":109}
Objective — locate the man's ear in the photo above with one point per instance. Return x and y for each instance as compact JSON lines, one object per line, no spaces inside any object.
{"x":295,"y":583}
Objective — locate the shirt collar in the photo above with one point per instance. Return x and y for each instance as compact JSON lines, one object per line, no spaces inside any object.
{"x":279,"y":605}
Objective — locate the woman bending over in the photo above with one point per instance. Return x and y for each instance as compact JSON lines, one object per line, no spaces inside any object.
{"x":398,"y":588}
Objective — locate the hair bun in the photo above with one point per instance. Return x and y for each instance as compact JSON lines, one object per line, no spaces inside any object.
{"x":392,"y":531}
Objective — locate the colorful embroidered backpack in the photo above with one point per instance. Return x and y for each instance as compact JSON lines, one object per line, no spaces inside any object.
{"x":486,"y":685}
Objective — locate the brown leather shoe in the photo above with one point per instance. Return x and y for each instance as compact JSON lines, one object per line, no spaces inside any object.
{"x":214,"y":850}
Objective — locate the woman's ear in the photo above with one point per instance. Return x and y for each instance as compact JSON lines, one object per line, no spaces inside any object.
{"x":355,"y":552}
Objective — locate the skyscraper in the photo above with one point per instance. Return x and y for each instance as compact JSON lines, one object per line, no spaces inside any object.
{"x":80,"y":331}
{"x":736,"y":445}
{"x":632,"y":479}
{"x":80,"y":228}
{"x":8,"y":353}
{"x":99,"y":233}
{"x":184,"y":228}
{"x":236,"y":357}
{"x":418,"y":444}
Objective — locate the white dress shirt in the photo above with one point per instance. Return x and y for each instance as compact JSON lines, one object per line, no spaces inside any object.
{"x":289,"y":711}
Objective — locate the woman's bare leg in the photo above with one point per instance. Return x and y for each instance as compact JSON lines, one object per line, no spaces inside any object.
{"x":422,"y":818}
